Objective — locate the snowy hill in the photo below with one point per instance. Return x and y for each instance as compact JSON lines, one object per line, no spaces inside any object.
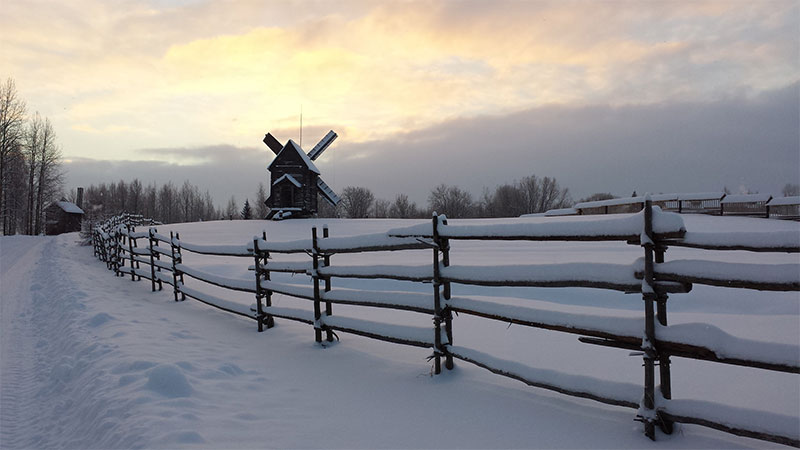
{"x":90,"y":360}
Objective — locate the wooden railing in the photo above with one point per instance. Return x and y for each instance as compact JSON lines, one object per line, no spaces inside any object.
{"x":652,"y":277}
{"x":757,"y":205}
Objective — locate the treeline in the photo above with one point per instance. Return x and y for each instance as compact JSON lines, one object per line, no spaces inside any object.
{"x":30,"y":165}
{"x":529,"y":195}
{"x":165,"y":203}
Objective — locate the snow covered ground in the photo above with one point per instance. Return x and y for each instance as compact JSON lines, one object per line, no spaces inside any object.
{"x":90,"y":360}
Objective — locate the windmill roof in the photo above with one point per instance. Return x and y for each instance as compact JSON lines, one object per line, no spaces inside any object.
{"x":292,"y":146}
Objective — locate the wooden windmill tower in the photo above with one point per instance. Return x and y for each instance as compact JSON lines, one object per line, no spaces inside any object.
{"x":294,"y":179}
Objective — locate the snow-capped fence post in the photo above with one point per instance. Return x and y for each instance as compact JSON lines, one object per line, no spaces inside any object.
{"x":647,"y":413}
{"x":118,"y":241}
{"x":315,"y":277}
{"x":153,"y":256}
{"x":447,"y":313}
{"x":437,"y":303}
{"x":664,"y":375}
{"x":176,"y":259}
{"x":266,"y":276}
{"x":131,"y":245}
{"x":326,"y":261}
{"x":257,"y":255}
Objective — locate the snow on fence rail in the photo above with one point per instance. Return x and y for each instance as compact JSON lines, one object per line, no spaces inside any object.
{"x":116,"y":243}
{"x":717,"y":203}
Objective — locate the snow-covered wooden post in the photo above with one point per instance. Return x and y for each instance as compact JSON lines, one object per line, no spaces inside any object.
{"x":315,"y":276}
{"x":131,"y":241}
{"x":259,"y":292}
{"x":447,"y":313}
{"x":152,"y":241}
{"x":177,"y":258}
{"x":437,"y":302}
{"x":647,"y":413}
{"x":118,"y":241}
{"x":326,"y":261}
{"x":665,"y":377}
{"x":266,"y":276}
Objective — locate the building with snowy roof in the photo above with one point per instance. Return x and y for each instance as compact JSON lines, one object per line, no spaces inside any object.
{"x":62,"y":217}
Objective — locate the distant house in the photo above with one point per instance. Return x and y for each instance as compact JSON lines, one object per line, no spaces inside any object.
{"x":63,"y":217}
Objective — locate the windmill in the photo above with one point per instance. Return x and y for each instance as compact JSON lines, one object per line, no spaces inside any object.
{"x":294,"y":179}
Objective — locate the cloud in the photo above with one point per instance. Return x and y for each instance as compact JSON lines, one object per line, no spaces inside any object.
{"x":158,"y":74}
{"x":667,"y":147}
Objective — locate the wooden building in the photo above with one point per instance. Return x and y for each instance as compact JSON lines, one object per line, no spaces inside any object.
{"x":62,"y":217}
{"x":295,"y":182}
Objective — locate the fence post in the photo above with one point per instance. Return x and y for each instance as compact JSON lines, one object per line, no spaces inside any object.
{"x":315,"y":266}
{"x":326,"y":261}
{"x":130,"y":250}
{"x":437,"y":304}
{"x":446,"y":311}
{"x":177,"y":258}
{"x":118,"y":238}
{"x":153,"y":257}
{"x":665,"y":377}
{"x":259,"y":292}
{"x":266,"y":276}
{"x":647,"y":411}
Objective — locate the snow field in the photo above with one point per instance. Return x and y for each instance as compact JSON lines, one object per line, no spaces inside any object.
{"x":136,"y":369}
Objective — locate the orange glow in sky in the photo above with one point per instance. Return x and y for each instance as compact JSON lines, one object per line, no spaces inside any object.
{"x":119,"y":76}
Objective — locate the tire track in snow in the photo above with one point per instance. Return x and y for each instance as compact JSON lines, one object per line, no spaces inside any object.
{"x":16,"y":364}
{"x":55,"y":390}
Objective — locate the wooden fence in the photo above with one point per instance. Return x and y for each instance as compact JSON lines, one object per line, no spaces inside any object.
{"x":715,"y":203}
{"x":161,"y":261}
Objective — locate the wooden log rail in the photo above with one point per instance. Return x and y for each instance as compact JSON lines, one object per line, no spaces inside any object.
{"x":116,"y":244}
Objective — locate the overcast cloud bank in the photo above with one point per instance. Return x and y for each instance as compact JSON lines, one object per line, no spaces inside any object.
{"x":739,"y":142}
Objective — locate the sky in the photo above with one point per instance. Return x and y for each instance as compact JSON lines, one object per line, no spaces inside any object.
{"x":655,"y":96}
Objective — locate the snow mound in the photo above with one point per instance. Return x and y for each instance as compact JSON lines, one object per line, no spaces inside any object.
{"x":169,"y":381}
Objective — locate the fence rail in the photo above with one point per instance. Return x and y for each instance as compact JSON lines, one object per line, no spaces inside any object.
{"x":161,"y":262}
{"x":716,"y":203}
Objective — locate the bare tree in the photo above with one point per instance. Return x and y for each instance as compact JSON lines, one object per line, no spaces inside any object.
{"x":451,"y":201}
{"x":166,"y":210}
{"x":12,"y":131}
{"x":232,"y":210}
{"x":32,"y":137}
{"x":597,"y":197}
{"x":403,"y":208}
{"x":791,"y":190}
{"x":356,"y":201}
{"x":261,"y":208}
{"x":135,"y":193}
{"x":381,"y":208}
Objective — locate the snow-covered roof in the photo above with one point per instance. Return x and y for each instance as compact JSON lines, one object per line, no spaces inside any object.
{"x":785,"y":201}
{"x":746,"y":198}
{"x":701,"y":196}
{"x":69,"y":207}
{"x":288,"y":177}
{"x":654,"y":197}
{"x":292,"y":146}
{"x":557,"y":212}
{"x":626,"y":201}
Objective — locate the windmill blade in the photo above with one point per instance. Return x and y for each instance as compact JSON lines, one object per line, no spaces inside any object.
{"x":273,"y":143}
{"x":322,"y":145}
{"x":327,"y":193}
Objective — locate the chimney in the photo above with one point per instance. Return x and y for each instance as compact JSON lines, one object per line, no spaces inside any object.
{"x":79,"y":200}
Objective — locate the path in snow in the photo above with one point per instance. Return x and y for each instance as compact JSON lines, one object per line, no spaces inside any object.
{"x":90,"y":360}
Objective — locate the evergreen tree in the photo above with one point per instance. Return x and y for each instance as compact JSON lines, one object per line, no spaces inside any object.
{"x":247,"y":212}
